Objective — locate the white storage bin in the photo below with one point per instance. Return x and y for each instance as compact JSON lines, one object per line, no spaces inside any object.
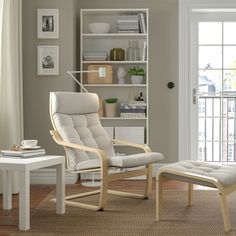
{"x":133,"y":134}
{"x":110,"y":131}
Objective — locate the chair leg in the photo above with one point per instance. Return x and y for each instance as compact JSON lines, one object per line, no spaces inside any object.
{"x":148,"y":187}
{"x":103,"y":190}
{"x":102,"y":199}
{"x":190,"y":194}
{"x":159,"y":198}
{"x":225,"y":211}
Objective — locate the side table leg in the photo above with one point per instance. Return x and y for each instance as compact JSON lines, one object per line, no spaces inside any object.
{"x":60,"y":188}
{"x":24,"y":200}
{"x":7,"y":189}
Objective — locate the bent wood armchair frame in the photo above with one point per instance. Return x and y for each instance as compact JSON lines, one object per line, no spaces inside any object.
{"x":105,"y":176}
{"x":169,"y":174}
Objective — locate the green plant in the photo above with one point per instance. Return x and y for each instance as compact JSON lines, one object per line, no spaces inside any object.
{"x":136,"y":71}
{"x":111,"y":100}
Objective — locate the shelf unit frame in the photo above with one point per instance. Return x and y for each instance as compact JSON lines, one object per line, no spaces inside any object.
{"x":122,"y":36}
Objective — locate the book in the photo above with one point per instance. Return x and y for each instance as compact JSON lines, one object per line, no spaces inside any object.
{"x":24,"y":153}
{"x":144,"y":52}
{"x":143,"y":23}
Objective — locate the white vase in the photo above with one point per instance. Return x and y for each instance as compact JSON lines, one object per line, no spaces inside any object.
{"x":137,"y":79}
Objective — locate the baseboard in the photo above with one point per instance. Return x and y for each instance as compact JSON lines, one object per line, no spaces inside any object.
{"x":48,"y":176}
{"x":97,"y":176}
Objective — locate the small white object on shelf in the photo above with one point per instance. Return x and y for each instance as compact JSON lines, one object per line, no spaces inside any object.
{"x":99,"y":28}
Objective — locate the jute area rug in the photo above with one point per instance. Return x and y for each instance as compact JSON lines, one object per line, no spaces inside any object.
{"x":126,"y":216}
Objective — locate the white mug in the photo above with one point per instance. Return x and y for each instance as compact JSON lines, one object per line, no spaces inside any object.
{"x":29,"y":143}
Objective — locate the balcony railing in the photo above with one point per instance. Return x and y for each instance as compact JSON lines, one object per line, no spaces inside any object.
{"x":217,"y":128}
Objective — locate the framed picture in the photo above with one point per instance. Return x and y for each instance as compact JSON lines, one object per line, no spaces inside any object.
{"x":48,"y":60}
{"x":48,"y":23}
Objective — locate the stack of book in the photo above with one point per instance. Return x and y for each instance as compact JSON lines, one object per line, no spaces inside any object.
{"x":135,"y":23}
{"x":95,"y":56}
{"x":128,"y":24}
{"x":24,"y":153}
{"x":133,"y":109}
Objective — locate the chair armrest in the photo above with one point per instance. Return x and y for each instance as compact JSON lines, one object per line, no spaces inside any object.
{"x":132,"y":144}
{"x":57,"y":138}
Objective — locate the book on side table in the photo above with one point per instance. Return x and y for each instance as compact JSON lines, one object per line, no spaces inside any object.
{"x":24,"y":153}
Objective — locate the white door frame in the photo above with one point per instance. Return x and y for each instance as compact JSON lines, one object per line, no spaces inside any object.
{"x":186,"y":7}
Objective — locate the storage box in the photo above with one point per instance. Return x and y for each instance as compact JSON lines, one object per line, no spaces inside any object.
{"x":93,"y":78}
{"x":135,"y":109}
{"x":133,"y":134}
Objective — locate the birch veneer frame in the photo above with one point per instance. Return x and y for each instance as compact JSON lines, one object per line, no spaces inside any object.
{"x":170,"y":174}
{"x":105,"y":176}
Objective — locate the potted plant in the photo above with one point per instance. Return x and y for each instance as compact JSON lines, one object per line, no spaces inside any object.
{"x":110,"y":106}
{"x":136,"y":74}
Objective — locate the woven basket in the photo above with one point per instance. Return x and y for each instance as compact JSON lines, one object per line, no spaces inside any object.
{"x":93,"y":78}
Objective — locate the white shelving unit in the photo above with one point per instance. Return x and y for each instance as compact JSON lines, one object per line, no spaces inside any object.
{"x":105,"y":42}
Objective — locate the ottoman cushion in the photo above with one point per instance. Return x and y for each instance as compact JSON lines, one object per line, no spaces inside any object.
{"x":226,"y":175}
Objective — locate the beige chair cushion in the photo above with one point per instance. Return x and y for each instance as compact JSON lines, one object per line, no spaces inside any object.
{"x":124,"y":161}
{"x":226,"y":175}
{"x":75,"y":118}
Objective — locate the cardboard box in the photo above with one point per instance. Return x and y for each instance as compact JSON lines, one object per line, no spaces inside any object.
{"x":93,"y":78}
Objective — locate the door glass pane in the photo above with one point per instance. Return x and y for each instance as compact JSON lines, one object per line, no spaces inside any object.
{"x":201,"y":107}
{"x":229,"y":80}
{"x":231,"y":129}
{"x":216,"y":148}
{"x":210,"y":81}
{"x":209,"y":128}
{"x":224,"y":151}
{"x":231,"y":151}
{"x":231,"y":107}
{"x":216,"y":129}
{"x":229,"y":32}
{"x":209,"y":107}
{"x":201,"y":129}
{"x":210,"y":57}
{"x":209,"y":151}
{"x":229,"y":57}
{"x":201,"y":151}
{"x":210,"y":33}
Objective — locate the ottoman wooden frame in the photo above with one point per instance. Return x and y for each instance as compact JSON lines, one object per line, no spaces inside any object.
{"x":166,"y":174}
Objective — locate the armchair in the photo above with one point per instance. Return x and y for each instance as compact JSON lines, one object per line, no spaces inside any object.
{"x":89,"y":149}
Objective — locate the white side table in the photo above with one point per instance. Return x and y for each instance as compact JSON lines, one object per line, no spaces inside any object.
{"x":24,"y":166}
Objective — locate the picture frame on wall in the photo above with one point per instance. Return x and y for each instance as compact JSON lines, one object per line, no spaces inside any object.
{"x":48,"y":60}
{"x":48,"y":23}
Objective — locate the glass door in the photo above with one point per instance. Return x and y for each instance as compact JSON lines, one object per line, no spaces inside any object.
{"x":215,"y":88}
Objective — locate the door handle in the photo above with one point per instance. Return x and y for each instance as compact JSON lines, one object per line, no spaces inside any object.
{"x":194,"y":96}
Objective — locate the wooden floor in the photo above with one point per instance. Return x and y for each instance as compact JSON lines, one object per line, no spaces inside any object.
{"x":9,"y":218}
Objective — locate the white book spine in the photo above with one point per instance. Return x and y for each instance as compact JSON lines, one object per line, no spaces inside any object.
{"x":144,"y":52}
{"x":143,"y":22}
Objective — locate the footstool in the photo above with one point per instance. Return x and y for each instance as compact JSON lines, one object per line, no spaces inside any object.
{"x":202,"y":173}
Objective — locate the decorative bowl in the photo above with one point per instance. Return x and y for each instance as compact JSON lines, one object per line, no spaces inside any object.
{"x":99,"y":28}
